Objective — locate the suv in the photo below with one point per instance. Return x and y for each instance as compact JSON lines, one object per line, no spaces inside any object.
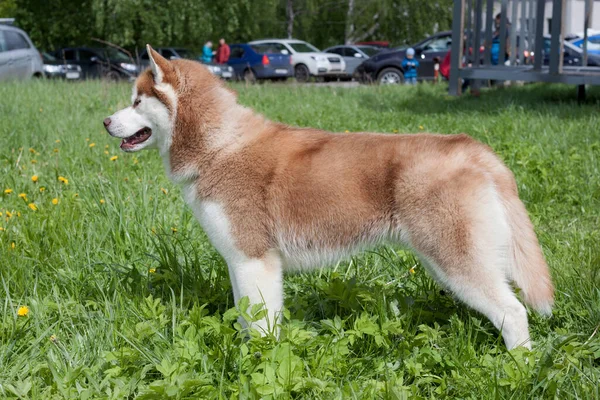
{"x":174,"y":53}
{"x":19,"y":59}
{"x":108,"y":63}
{"x":308,"y":60}
{"x":386,"y":67}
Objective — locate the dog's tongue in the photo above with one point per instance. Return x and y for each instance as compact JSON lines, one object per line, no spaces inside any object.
{"x":138,"y":138}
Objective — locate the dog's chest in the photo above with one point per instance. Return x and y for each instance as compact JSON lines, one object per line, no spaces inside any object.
{"x":214,"y":220}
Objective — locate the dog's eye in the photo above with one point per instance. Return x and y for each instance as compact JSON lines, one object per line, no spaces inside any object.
{"x":136,"y":103}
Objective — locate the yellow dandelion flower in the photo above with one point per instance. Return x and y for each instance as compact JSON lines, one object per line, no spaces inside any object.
{"x":92,"y":144}
{"x":63,"y":180}
{"x":34,"y":161}
{"x":412,"y":270}
{"x":106,"y":152}
{"x":34,"y":178}
{"x":13,"y":245}
{"x":23,"y":311}
{"x":421,"y":127}
{"x":106,"y":147}
{"x":18,"y":213}
{"x":113,"y":158}
{"x":152,"y":270}
{"x":8,"y":191}
{"x":347,"y":131}
{"x":76,"y":195}
{"x":8,"y":214}
{"x":102,"y":201}
{"x":57,"y":141}
{"x":395,"y":131}
{"x":23,"y":196}
{"x":1,"y":229}
{"x":55,"y":150}
{"x":31,"y":150}
{"x":42,"y":188}
{"x":55,"y":201}
{"x":174,"y":230}
{"x":32,"y":206}
{"x":53,"y":338}
{"x":165,"y":191}
{"x":87,"y":139}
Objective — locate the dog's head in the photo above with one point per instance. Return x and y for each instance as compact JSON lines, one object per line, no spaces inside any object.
{"x":161,"y":95}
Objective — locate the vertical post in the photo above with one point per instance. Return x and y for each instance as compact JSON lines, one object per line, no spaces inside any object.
{"x":523,"y":30}
{"x":538,"y":57}
{"x":556,"y":45}
{"x":469,"y":26}
{"x":456,"y":55}
{"x":589,"y":9}
{"x":477,"y":44}
{"x":503,"y":19}
{"x":513,"y":33}
{"x":489,"y":24}
{"x":531,"y":26}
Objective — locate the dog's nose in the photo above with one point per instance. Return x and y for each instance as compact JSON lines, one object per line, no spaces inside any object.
{"x":106,"y":122}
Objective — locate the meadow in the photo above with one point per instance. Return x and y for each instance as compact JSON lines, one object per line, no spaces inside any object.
{"x":110,"y":289}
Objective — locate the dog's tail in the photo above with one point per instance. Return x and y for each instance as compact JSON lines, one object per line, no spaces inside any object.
{"x":528,"y":268}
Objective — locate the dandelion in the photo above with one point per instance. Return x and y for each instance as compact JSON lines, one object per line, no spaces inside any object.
{"x":395,"y":131}
{"x":421,"y":127}
{"x":8,"y":214}
{"x":34,"y":161}
{"x":13,"y":245}
{"x":63,"y":180}
{"x":347,"y":131}
{"x":92,"y":144}
{"x":55,"y":201}
{"x":76,"y":195}
{"x":34,"y":178}
{"x":8,"y":191}
{"x":106,"y":152}
{"x":165,"y":191}
{"x":1,"y":229}
{"x":23,"y":311}
{"x":152,"y":270}
{"x":42,"y":188}
{"x":32,"y":150}
{"x":174,"y":230}
{"x":55,"y":150}
{"x":23,"y":196}
{"x":412,"y":270}
{"x":113,"y":158}
{"x":102,"y":201}
{"x":57,"y":141}
{"x":106,"y":147}
{"x":87,"y":139}
{"x":32,"y":206}
{"x":153,"y":230}
{"x":18,"y":213}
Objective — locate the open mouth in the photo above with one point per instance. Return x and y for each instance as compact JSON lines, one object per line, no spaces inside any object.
{"x":139,"y":137}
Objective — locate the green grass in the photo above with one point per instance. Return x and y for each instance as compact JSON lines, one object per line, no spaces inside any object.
{"x":128,"y":299}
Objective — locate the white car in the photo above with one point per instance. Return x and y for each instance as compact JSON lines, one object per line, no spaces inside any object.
{"x":19,"y":59}
{"x":308,"y":60}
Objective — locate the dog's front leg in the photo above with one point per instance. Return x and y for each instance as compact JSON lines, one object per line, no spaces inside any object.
{"x":261,"y":280}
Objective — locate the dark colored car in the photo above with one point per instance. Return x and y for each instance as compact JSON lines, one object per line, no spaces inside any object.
{"x":174,"y":53}
{"x":386,"y":66}
{"x":54,"y":68}
{"x":108,"y":63}
{"x":261,"y":61}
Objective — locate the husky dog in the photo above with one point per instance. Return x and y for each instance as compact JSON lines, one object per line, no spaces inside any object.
{"x":273,"y":197}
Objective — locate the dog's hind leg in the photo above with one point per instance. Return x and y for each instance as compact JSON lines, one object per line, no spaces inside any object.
{"x":261,"y":280}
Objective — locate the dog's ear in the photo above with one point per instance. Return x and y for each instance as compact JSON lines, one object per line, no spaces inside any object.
{"x":161,"y":67}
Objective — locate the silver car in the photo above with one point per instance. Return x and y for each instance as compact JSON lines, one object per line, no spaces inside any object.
{"x":19,"y":59}
{"x":354,"y":55}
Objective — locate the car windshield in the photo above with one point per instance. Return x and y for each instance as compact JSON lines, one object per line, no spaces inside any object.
{"x":48,"y":57}
{"x":303,"y":47}
{"x":270,"y":48}
{"x":368,"y":50}
{"x":116,"y":55}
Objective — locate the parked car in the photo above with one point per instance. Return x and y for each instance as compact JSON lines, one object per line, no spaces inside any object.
{"x":353,"y":55}
{"x":174,"y":53}
{"x":106,"y":63}
{"x":382,"y":44}
{"x":593,"y":45}
{"x":19,"y":59}
{"x":54,"y":68}
{"x":572,"y":55}
{"x":386,"y":66}
{"x":260,"y":61}
{"x":307,"y":60}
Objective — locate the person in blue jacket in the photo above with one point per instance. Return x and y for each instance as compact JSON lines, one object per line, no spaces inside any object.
{"x":410,"y":65}
{"x":207,"y":53}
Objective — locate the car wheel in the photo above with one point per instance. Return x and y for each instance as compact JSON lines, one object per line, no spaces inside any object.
{"x":301,"y":73}
{"x":249,"y":76}
{"x":390,"y":76}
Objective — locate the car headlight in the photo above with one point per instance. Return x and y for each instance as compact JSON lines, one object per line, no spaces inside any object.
{"x":52,"y":69}
{"x":229,"y":69}
{"x":214,"y":69}
{"x":319,"y":58}
{"x":129,"y":67}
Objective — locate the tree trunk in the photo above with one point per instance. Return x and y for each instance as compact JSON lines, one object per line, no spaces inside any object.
{"x":349,"y":23}
{"x":290,"y":18}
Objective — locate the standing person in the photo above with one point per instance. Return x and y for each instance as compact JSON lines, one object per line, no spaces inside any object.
{"x":207,"y":52}
{"x":410,"y":65}
{"x":223,"y":52}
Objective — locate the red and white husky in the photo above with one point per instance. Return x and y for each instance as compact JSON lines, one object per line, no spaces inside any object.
{"x":273,"y":197}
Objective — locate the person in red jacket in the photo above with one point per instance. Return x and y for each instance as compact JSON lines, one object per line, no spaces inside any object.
{"x":223,"y":52}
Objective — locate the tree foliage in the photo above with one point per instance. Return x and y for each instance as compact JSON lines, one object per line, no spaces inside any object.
{"x":133,"y":23}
